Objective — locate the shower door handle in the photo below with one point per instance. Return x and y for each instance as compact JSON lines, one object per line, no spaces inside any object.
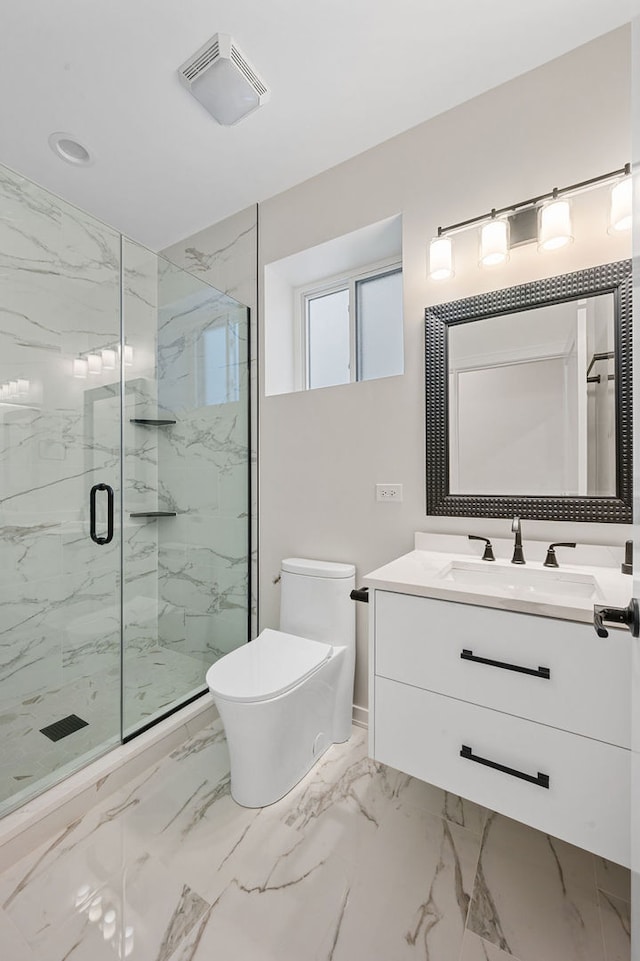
{"x":96,"y":538}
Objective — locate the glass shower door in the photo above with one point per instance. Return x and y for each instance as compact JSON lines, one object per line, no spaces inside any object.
{"x":59,"y":457}
{"x":186,"y":477}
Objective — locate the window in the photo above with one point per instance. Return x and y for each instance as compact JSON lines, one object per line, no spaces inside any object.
{"x":351,"y":328}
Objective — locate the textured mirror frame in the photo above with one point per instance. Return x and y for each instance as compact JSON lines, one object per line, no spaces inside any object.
{"x":613,"y":278}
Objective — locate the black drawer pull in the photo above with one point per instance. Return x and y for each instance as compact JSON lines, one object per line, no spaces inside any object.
{"x":542,"y":780}
{"x":539,"y":672}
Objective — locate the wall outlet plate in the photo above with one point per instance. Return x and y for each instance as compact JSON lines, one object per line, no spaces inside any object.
{"x":389,"y":493}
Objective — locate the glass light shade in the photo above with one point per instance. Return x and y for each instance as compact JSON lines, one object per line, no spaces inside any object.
{"x":109,"y":358}
{"x":23,"y":387}
{"x":13,"y":388}
{"x":4,"y":392}
{"x":620,"y":215}
{"x":494,"y":243}
{"x":441,"y":258}
{"x":554,"y":229}
{"x":80,"y":367}
{"x":128,"y":355}
{"x":94,"y":362}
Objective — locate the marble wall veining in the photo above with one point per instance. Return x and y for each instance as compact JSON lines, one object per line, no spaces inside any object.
{"x":74,"y":622}
{"x":203,"y":384}
{"x":59,"y":298}
{"x":225,"y":255}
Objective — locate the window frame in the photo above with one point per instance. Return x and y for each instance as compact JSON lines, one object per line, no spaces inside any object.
{"x":347,"y":280}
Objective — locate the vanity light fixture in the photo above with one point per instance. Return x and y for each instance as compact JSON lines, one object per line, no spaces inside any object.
{"x":545,"y":219}
{"x":94,"y":363}
{"x":620,"y":213}
{"x":128,"y":355}
{"x":494,"y":242}
{"x":80,"y":367}
{"x":109,"y":358}
{"x":441,"y":258}
{"x":554,"y":230}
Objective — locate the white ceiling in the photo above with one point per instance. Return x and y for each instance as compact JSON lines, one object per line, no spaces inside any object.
{"x":344,"y":76}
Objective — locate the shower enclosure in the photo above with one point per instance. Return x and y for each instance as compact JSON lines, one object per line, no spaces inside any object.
{"x":124,"y":478}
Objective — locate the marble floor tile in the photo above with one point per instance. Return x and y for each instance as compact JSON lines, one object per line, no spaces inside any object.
{"x":13,"y":947}
{"x":409,"y":791}
{"x":475,"y":948}
{"x":535,"y":896}
{"x":357,"y":862}
{"x":616,"y":927}
{"x":413,"y":886}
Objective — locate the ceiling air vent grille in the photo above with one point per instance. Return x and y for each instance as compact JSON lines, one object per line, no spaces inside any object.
{"x":250,"y":74}
{"x":222,"y":79}
{"x":202,"y":61}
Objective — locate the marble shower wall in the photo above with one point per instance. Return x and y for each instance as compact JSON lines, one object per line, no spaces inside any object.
{"x":140,"y":585}
{"x":59,"y":298}
{"x":203,"y":468}
{"x":225,"y":255}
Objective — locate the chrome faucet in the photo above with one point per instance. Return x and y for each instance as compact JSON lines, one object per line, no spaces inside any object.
{"x":518,"y":556}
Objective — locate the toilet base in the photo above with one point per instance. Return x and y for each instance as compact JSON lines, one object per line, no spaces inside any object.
{"x":274,"y":743}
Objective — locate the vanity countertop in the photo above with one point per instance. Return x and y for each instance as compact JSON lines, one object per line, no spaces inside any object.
{"x":428,"y":573}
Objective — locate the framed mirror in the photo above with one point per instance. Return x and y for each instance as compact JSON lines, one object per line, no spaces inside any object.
{"x":528,"y":400}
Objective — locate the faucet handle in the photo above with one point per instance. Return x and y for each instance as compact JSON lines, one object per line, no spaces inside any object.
{"x":551,"y":559}
{"x":488,"y":549}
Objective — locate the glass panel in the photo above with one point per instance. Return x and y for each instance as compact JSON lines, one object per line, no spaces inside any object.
{"x":186,"y":456}
{"x":328,"y":339}
{"x":60,"y":435}
{"x":379,"y":326}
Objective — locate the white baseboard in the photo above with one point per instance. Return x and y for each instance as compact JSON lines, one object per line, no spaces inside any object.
{"x":361,"y":716}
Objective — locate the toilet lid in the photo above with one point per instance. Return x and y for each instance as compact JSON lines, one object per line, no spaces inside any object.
{"x":266,"y":667}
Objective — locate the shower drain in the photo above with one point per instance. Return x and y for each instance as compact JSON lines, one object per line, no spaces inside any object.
{"x":60,"y":729}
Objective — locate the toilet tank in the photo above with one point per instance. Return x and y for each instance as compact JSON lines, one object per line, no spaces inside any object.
{"x":315,"y":600}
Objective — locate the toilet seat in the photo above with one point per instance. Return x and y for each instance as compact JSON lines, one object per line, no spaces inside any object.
{"x":271,"y":665}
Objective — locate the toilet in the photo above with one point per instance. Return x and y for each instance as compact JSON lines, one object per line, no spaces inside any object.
{"x":285,"y":697}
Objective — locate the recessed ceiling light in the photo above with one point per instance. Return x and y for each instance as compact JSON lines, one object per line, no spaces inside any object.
{"x":69,"y":149}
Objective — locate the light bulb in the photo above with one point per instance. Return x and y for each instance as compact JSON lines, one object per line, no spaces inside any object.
{"x":94,"y":362}
{"x":554,"y":230}
{"x":95,"y":910}
{"x":109,"y":358}
{"x":620,"y":215}
{"x":494,"y":243}
{"x":441,"y":258}
{"x":80,"y":367}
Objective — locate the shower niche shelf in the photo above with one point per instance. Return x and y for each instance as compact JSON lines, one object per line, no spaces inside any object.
{"x":153,"y":514}
{"x":150,"y":422}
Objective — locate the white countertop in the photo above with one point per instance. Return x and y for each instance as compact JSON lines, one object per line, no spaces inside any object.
{"x":420,"y":573}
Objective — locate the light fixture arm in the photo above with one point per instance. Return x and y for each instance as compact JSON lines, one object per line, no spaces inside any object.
{"x":533,"y":201}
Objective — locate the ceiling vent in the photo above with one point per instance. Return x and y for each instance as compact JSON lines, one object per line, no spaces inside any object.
{"x":223,"y":80}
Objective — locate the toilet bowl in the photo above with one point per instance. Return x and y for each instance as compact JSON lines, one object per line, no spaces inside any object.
{"x":285,"y":697}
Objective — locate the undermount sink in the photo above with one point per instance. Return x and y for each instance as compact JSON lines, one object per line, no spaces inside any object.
{"x":521,"y":581}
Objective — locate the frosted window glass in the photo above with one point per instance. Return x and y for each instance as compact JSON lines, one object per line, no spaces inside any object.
{"x":328,"y":339}
{"x":379,"y":326}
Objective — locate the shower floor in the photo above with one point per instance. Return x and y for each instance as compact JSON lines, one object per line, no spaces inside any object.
{"x":154,"y":679}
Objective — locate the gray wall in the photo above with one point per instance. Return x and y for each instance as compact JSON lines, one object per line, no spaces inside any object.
{"x":322,"y":451}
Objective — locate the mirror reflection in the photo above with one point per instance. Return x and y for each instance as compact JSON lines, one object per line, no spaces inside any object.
{"x":532,"y":401}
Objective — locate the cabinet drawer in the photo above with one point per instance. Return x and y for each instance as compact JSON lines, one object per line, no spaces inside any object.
{"x":420,"y":641}
{"x":586,"y":802}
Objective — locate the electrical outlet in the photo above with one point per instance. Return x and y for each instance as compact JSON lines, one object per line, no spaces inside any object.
{"x":389,"y":493}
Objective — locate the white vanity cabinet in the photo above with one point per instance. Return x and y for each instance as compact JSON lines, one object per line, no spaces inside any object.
{"x":526,"y":715}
